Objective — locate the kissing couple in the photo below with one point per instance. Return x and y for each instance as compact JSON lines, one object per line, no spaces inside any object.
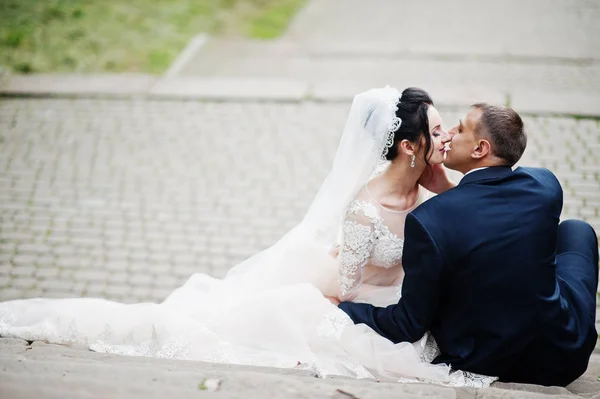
{"x":394,"y":272}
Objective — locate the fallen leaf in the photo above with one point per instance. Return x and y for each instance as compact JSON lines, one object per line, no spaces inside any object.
{"x":209,"y":384}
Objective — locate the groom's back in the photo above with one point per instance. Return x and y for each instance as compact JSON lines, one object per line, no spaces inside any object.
{"x":497,"y":234}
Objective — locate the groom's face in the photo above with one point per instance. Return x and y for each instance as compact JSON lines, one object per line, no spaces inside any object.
{"x":464,"y":141}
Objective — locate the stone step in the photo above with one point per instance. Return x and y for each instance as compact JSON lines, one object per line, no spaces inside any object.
{"x":223,"y":62}
{"x":30,"y":377}
{"x":52,"y":371}
{"x":42,"y":370}
{"x":44,"y":352}
{"x":220,"y":48}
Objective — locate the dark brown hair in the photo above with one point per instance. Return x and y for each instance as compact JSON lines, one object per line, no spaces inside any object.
{"x":412,"y":111}
{"x":504,"y":128}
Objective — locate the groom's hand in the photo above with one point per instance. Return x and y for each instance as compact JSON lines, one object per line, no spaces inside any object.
{"x":333,"y":300}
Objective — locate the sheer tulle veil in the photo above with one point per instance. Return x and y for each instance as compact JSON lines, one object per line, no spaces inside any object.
{"x":302,"y":254}
{"x":368,"y":133}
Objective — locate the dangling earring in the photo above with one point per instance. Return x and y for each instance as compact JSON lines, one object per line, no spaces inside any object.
{"x":412,"y":161}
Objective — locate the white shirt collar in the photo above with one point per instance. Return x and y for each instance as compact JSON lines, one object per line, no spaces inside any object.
{"x":473,"y":170}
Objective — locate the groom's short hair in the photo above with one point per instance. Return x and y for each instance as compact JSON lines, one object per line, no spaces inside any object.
{"x":504,"y":128}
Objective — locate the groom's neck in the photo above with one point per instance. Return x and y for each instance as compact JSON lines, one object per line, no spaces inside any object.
{"x":484,"y":163}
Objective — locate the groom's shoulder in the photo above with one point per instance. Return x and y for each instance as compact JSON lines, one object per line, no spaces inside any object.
{"x":453,"y":200}
{"x":542,"y":175}
{"x":538,"y":172}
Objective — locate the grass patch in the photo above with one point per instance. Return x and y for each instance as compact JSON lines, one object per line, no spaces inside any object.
{"x":271,"y":21}
{"x":125,"y":36}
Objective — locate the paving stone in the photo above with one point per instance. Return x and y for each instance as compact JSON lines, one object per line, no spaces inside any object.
{"x":95,"y":289}
{"x":24,"y":283}
{"x":5,"y":269}
{"x":16,"y":236}
{"x":34,"y":249}
{"x":118,"y":277}
{"x":46,"y":273}
{"x":22,"y":270}
{"x":91,"y":275}
{"x":143,"y":293}
{"x":117,"y":290}
{"x":142,"y":280}
{"x":116,"y":266}
{"x":73,"y":262}
{"x":5,"y":258}
{"x":45,"y":261}
{"x":7,"y":294}
{"x":4,"y":280}
{"x":59,"y":285}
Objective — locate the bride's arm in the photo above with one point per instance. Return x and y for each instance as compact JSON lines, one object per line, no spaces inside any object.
{"x":425,"y":270}
{"x":355,"y":252}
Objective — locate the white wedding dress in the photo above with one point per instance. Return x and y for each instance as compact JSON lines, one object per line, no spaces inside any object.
{"x":270,"y":309}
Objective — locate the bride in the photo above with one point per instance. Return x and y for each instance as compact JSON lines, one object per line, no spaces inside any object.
{"x":275,"y":308}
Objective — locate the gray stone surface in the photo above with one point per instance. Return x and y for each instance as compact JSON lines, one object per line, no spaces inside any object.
{"x":142,"y":194}
{"x":232,"y":89}
{"x":77,"y":84}
{"x":565,"y":30}
{"x":49,"y":371}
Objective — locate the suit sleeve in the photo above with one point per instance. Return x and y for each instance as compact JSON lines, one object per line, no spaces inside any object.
{"x":424,"y":270}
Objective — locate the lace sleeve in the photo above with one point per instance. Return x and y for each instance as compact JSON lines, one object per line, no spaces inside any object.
{"x":356,"y":249}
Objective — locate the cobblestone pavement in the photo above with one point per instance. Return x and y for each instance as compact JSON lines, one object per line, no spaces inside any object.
{"x":125,"y":199}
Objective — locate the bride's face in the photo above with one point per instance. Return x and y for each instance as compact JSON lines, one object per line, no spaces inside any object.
{"x":439,"y":137}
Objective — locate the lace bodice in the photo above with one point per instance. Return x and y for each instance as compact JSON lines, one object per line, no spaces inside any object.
{"x":373,"y":238}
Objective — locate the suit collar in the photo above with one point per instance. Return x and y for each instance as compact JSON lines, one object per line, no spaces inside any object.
{"x":493,"y":172}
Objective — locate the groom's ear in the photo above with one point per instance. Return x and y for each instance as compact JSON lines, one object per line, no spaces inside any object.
{"x":482,"y":148}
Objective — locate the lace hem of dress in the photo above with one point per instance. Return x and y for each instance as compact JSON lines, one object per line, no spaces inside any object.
{"x":331,"y":328}
{"x":458,"y":378}
{"x":178,"y":347}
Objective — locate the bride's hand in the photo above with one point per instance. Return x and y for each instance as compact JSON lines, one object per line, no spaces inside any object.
{"x":335,"y":251}
{"x":333,"y":300}
{"x":435,"y":179}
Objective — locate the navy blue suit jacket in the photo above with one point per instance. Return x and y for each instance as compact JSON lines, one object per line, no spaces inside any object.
{"x":480,"y":275}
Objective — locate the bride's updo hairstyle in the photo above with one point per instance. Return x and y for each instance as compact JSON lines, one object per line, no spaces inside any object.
{"x":412,"y":110}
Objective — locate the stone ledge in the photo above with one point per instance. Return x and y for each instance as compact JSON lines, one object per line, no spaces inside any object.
{"x":77,"y":84}
{"x":278,"y":90}
{"x":444,"y":96}
{"x":230,"y":89}
{"x":46,"y":370}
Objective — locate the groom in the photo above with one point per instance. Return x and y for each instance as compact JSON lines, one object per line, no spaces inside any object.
{"x":504,"y":288}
